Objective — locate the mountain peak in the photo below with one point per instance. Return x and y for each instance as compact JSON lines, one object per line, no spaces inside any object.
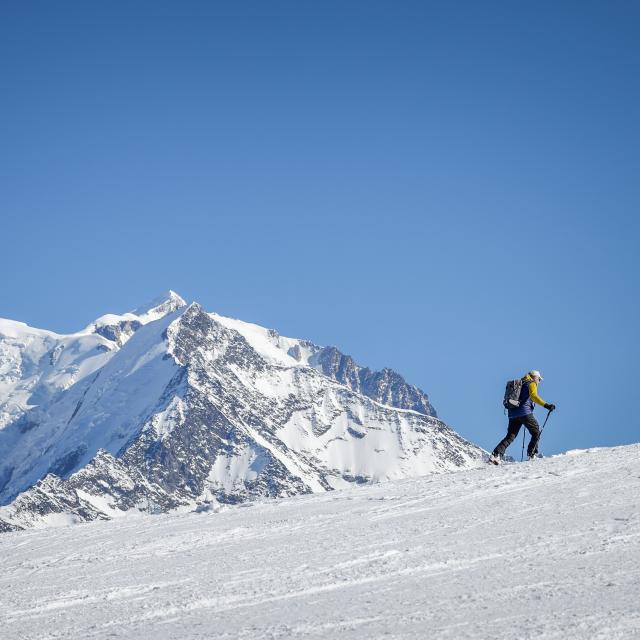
{"x":164,"y":303}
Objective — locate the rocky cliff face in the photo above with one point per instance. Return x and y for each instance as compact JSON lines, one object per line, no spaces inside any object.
{"x":193,"y":411}
{"x":386,"y":386}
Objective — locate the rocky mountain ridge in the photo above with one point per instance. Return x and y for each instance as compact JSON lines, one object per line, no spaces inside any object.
{"x":176,"y":408}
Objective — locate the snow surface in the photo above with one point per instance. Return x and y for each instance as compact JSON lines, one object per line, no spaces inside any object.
{"x":546,"y":549}
{"x":36,"y":364}
{"x":267,"y":342}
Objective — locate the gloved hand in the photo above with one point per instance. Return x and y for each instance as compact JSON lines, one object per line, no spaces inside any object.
{"x":550,"y":407}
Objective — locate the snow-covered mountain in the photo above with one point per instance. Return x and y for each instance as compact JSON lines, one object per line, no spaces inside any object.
{"x":170,"y":407}
{"x":36,"y":364}
{"x":547,"y":550}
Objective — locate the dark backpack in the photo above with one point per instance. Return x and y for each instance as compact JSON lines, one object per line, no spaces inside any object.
{"x":512,"y":394}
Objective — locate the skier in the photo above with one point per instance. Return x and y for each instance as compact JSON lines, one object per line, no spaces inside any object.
{"x":523,"y":415}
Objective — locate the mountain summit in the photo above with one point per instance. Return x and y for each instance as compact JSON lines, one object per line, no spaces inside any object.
{"x":170,"y":407}
{"x":161,"y":305}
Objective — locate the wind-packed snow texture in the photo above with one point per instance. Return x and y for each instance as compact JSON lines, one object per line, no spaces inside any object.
{"x":170,"y":407}
{"x":545,"y":549}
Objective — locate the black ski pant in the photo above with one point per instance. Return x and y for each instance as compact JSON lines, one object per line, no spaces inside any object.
{"x":532,"y":426}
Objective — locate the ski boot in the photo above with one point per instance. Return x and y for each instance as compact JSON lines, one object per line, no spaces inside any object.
{"x":493,"y":459}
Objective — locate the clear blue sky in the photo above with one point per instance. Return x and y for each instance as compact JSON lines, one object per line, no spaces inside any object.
{"x":450,"y":189}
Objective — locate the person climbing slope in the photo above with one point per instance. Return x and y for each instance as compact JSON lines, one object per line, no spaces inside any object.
{"x":522,"y":414}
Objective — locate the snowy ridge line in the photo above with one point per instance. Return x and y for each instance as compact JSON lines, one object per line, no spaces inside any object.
{"x":36,"y":365}
{"x":184,"y":409}
{"x":289,"y":352}
{"x":547,"y":549}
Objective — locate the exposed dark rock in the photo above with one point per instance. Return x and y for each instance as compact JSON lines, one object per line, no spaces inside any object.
{"x":118,"y":332}
{"x":386,"y":386}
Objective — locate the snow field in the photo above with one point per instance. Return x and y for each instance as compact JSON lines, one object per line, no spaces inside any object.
{"x":547,"y":549}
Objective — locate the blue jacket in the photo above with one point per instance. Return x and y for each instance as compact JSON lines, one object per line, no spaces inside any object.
{"x":528,"y":395}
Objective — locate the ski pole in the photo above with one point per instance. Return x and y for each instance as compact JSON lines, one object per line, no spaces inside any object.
{"x":524,"y":431}
{"x":544,"y":425}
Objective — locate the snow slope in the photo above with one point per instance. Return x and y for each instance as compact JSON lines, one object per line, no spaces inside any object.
{"x":36,"y":365}
{"x":547,"y":549}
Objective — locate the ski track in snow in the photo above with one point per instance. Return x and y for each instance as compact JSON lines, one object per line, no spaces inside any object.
{"x":547,"y":549}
